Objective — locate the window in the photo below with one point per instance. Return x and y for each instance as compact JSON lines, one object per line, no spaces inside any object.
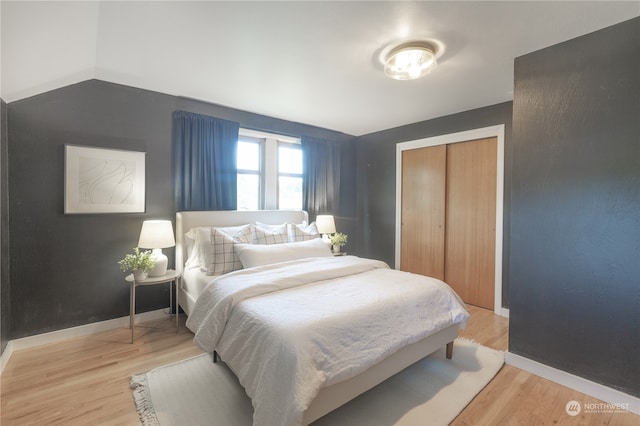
{"x":289,"y":176}
{"x":269,"y":171}
{"x":249,"y":174}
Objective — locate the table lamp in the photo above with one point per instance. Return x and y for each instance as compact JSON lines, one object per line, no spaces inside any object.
{"x":156,"y":235}
{"x":326,"y":225}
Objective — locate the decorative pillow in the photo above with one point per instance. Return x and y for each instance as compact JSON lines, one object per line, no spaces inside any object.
{"x":252,"y":255}
{"x":303,"y":232}
{"x":270,"y":234}
{"x":198,"y":245}
{"x":217,"y":250}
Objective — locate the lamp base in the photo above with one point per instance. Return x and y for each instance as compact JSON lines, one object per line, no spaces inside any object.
{"x":160,"y":269}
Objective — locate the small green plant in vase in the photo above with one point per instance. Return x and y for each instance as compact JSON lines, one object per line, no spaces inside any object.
{"x":139,"y":263}
{"x":337,"y":241}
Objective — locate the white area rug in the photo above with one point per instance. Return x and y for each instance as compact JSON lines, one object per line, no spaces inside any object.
{"x":431,"y":392}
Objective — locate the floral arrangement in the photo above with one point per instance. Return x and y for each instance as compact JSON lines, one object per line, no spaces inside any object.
{"x":338,"y":239}
{"x":138,"y":261}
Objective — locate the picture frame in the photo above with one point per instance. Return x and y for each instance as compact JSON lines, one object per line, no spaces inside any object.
{"x":101,"y":180}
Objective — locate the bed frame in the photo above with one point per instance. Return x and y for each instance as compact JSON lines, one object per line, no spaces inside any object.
{"x":331,"y":397}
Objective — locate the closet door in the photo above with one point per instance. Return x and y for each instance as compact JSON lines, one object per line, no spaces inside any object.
{"x":423,"y":211}
{"x":470,"y":220}
{"x":448,"y":216}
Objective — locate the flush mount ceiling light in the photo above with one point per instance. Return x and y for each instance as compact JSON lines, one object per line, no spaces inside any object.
{"x":410,"y":61}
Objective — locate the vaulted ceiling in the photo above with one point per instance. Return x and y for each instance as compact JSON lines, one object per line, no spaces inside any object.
{"x":310,"y":62}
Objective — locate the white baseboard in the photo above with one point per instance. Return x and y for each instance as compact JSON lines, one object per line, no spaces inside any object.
{"x":596,"y":390}
{"x":70,"y":333}
{"x":504,"y":312}
{"x":6,"y":354}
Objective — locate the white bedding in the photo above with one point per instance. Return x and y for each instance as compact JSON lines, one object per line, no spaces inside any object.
{"x":289,"y":329}
{"x":194,"y":281}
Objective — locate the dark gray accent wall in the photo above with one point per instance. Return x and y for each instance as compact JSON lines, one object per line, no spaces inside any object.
{"x":63,"y":268}
{"x":376,"y":167}
{"x":5,"y":305}
{"x":575,"y":209}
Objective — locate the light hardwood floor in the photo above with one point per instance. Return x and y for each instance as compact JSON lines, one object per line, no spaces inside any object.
{"x":515,"y":397}
{"x":85,"y":381}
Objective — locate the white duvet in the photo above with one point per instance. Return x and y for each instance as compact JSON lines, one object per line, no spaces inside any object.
{"x":291,"y":328}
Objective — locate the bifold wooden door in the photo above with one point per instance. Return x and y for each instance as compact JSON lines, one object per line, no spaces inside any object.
{"x":448,"y":216}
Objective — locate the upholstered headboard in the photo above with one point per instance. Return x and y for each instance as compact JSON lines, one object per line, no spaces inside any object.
{"x":188,"y":220}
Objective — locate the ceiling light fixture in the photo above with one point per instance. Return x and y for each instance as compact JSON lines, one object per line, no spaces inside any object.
{"x":410,"y":61}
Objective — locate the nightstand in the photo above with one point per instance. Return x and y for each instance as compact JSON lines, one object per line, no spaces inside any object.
{"x":170,"y":276}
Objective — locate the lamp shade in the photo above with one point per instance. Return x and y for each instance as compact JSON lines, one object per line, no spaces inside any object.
{"x":156,"y":234}
{"x":325,"y":224}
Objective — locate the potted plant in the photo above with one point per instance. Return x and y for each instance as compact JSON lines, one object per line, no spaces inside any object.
{"x":139,"y":263}
{"x":337,"y":241}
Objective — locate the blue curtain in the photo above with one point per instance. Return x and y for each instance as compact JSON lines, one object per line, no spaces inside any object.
{"x":205,"y":169}
{"x":321,"y":179}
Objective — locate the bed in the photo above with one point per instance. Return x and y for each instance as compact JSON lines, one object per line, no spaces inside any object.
{"x":214,"y":323}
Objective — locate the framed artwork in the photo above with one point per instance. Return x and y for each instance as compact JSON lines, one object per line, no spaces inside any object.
{"x":98,"y":180}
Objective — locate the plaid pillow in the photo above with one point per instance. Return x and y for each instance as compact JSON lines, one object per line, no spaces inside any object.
{"x":222,"y":255}
{"x":303,"y":232}
{"x":270,"y":234}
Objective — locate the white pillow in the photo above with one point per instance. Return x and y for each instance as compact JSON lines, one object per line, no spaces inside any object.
{"x":258,"y":254}
{"x":216,"y":247}
{"x":192,"y":253}
{"x":303,"y":232}
{"x":270,"y":234}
